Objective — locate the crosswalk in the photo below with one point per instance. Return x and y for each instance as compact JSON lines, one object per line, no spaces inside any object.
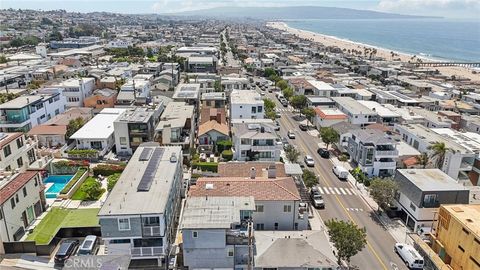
{"x":289,"y":109}
{"x":354,"y":209}
{"x":336,"y":191}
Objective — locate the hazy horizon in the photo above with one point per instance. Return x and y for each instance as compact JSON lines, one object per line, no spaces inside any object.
{"x":464,"y":9}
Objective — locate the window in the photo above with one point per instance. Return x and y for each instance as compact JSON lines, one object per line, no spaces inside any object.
{"x":465,"y":231}
{"x":16,"y":198}
{"x":275,"y":226}
{"x":295,"y":226}
{"x":230,"y":252}
{"x":19,"y":142}
{"x":24,"y":192}
{"x":194,"y":234}
{"x":461,"y":248}
{"x":430,"y":200}
{"x":477,"y":241}
{"x":254,"y":109}
{"x":123,"y":224}
{"x":413,"y":207}
{"x":57,"y":111}
{"x":475,"y":261}
{"x":259,"y":208}
{"x":120,"y":241}
{"x":259,"y":109}
{"x":151,"y":221}
{"x":36,"y":182}
{"x":244,"y":141}
{"x":7,"y":151}
{"x":149,"y":242}
{"x":287,"y":208}
{"x":123,"y":140}
{"x":20,"y":162}
{"x":260,"y":226}
{"x":12,"y":202}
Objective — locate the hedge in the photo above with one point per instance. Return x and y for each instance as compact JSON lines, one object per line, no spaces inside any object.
{"x":84,"y":153}
{"x":74,"y":180}
{"x":227,"y":155}
{"x":206,"y":166}
{"x":224,"y":145}
{"x":108,"y":169}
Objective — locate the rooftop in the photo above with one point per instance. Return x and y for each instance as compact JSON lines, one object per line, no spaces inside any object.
{"x":381,"y":110}
{"x":99,"y":127}
{"x":136,"y":115}
{"x":466,"y":214}
{"x":129,"y":195}
{"x":187,"y":91}
{"x":431,"y":179}
{"x":330,"y":114}
{"x":353,"y":106}
{"x":6,"y":138}
{"x":14,"y":185}
{"x":469,"y":140}
{"x":214,"y":212}
{"x":242,"y":168}
{"x":373,"y":136}
{"x":175,"y":115}
{"x":245,"y":97}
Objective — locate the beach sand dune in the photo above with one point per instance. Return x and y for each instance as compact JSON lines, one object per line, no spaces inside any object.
{"x":381,"y":52}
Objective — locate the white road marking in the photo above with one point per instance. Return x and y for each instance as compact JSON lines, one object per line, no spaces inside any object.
{"x":331,"y":190}
{"x":326,"y":190}
{"x":337,"y":191}
{"x":343,"y":191}
{"x":348,"y":191}
{"x":321,"y":190}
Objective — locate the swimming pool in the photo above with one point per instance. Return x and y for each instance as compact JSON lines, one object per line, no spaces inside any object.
{"x":58,"y":183}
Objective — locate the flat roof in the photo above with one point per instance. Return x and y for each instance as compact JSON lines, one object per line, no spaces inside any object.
{"x":381,"y":110}
{"x":187,"y":91}
{"x":321,"y":85}
{"x":352,"y":105}
{"x":214,"y":212}
{"x":126,"y":199}
{"x":99,"y":127}
{"x":245,"y":97}
{"x":466,"y":214}
{"x":21,"y":101}
{"x":136,"y":115}
{"x":469,"y":140}
{"x":431,"y":179}
{"x":175,"y":114}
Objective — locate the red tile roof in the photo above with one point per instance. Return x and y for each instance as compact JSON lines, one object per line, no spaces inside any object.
{"x":322,"y":114}
{"x":262,"y":189}
{"x":10,"y":137}
{"x":15,"y":185}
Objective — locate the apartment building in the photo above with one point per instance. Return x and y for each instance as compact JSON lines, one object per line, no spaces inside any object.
{"x":25,"y":112}
{"x":385,"y":115}
{"x":421,"y":192}
{"x":188,"y":93}
{"x":358,"y":114}
{"x":98,"y":133}
{"x":373,"y":151}
{"x":177,"y":125}
{"x":22,"y":199}
{"x":134,"y":127}
{"x":101,"y":99}
{"x":456,"y":238}
{"x":217,"y":232}
{"x":326,"y":117}
{"x":76,"y":90}
{"x":278,"y":204}
{"x":433,"y":119}
{"x":255,"y":141}
{"x":139,"y":216}
{"x":16,"y":151}
{"x":213,"y":100}
{"x":458,"y":159}
{"x":246,"y":105}
{"x":140,"y":88}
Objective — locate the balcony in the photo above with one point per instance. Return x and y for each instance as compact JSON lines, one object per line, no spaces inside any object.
{"x":151,"y":231}
{"x":386,"y":153}
{"x":263,"y":147}
{"x":383,"y":165}
{"x":237,"y":237}
{"x":431,"y":204}
{"x":146,"y":251}
{"x":466,"y":166}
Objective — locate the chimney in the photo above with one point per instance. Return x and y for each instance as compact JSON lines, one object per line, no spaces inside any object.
{"x":272,"y":171}
{"x":253,"y":173}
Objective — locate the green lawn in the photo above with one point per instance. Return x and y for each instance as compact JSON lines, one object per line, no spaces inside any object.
{"x":80,"y":194}
{"x":62,"y":218}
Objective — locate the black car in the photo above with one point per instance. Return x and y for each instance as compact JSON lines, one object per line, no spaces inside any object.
{"x":303,"y":127}
{"x":324,"y":153}
{"x":67,"y":248}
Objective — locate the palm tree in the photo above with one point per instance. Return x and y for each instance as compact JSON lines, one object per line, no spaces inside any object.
{"x":423,"y":160}
{"x":439,"y":150}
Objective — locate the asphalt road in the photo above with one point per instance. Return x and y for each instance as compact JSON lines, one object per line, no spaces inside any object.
{"x":341,"y":202}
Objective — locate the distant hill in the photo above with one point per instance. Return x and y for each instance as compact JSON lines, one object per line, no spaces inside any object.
{"x":290,"y":13}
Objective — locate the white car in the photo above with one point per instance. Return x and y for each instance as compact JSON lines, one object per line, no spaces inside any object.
{"x":290,"y":134}
{"x":309,"y":161}
{"x":340,"y":172}
{"x":409,"y":255}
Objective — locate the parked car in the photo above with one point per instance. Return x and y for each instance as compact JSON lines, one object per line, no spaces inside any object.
{"x":316,"y":197}
{"x":303,"y":127}
{"x":309,"y":161}
{"x":67,"y":248}
{"x":323,"y":152}
{"x":340,"y":172}
{"x":285,"y":143}
{"x":277,"y":114}
{"x":290,"y":134}
{"x":284,"y":102}
{"x":88,"y":246}
{"x":409,"y":255}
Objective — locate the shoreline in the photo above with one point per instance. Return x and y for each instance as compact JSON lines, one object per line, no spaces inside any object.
{"x":385,"y":53}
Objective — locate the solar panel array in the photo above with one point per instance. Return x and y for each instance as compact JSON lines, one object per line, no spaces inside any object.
{"x":145,"y":155}
{"x":150,"y":170}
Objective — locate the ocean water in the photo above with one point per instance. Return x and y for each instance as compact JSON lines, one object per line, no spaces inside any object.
{"x":443,"y":39}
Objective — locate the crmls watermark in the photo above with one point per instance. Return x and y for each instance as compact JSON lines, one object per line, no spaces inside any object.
{"x":83,"y":263}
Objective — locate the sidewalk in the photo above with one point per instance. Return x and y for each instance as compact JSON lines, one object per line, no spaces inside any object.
{"x":396,"y":228}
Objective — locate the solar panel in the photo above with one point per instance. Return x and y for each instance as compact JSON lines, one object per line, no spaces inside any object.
{"x":145,"y":155}
{"x":150,"y":170}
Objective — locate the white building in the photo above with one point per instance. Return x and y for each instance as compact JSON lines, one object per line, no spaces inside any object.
{"x":25,"y":112}
{"x":325,"y":117}
{"x":255,"y":141}
{"x":98,"y":133}
{"x":385,"y":115}
{"x":76,"y":90}
{"x":142,"y":87}
{"x":16,"y":152}
{"x":246,"y":105}
{"x":22,"y":199}
{"x":358,"y":114}
{"x":119,"y":43}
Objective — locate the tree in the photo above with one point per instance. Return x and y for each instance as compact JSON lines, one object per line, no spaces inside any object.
{"x":329,"y":135}
{"x":423,"y":160}
{"x":269,"y":104}
{"x":282,"y":84}
{"x":269,"y":72}
{"x":55,"y":35}
{"x":309,"y":113}
{"x":439,"y":150}
{"x":73,"y":126}
{"x":309,"y":178}
{"x":292,"y":153}
{"x":299,"y":102}
{"x":347,"y":238}
{"x":3,"y":59}
{"x":287,"y":93}
{"x":217,"y":86}
{"x":92,"y":190}
{"x":112,"y":180}
{"x":383,"y":191}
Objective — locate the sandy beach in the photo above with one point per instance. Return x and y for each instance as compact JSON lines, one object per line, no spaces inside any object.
{"x":381,"y":52}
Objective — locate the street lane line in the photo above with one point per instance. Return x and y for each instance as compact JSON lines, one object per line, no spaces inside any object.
{"x":370,"y":247}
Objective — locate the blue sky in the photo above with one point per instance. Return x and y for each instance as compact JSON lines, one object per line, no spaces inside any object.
{"x":445,"y":8}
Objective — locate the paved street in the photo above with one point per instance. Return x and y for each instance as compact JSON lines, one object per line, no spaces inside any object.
{"x":342,"y":201}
